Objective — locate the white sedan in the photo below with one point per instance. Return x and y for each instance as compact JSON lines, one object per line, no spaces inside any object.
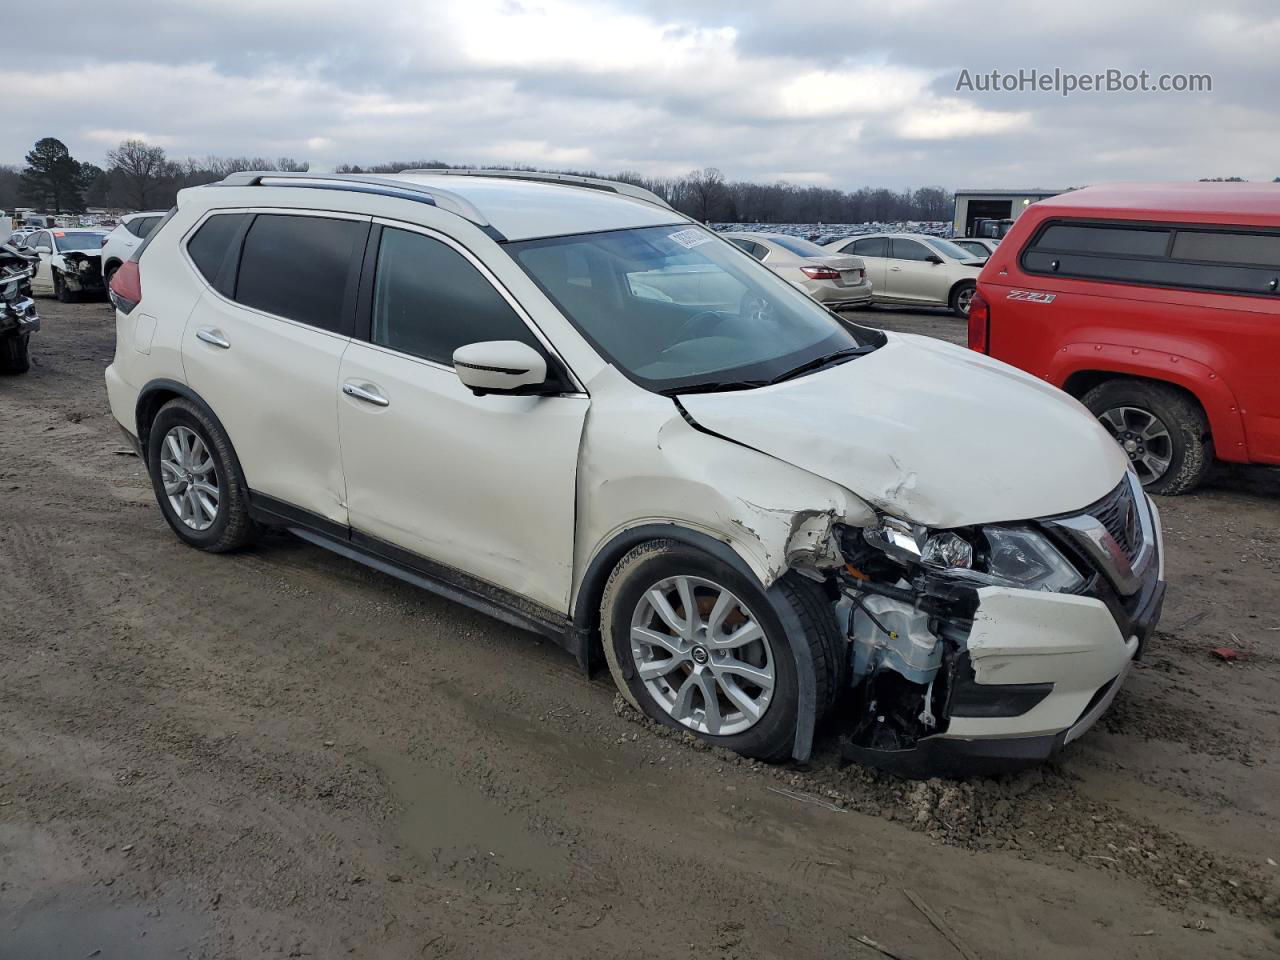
{"x":70,"y":262}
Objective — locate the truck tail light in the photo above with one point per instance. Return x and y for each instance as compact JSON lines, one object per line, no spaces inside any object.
{"x":126,"y":286}
{"x":820,"y":273}
{"x":979,"y":324}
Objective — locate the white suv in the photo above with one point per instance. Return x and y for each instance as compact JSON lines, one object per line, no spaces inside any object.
{"x":128,"y":234}
{"x":559,"y":401}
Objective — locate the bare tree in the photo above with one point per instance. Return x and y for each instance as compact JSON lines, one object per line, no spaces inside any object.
{"x":706,"y":192}
{"x":142,"y":169}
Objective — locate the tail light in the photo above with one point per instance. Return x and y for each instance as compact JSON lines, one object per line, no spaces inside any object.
{"x":820,"y":273}
{"x":126,"y":286}
{"x":979,"y":324}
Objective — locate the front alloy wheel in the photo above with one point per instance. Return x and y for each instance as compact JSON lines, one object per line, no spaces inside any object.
{"x":702,"y":655}
{"x":190,"y":478}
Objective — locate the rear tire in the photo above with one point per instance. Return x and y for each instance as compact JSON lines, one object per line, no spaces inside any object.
{"x":106,"y":277}
{"x":15,"y":354}
{"x":168,"y":440}
{"x":961,"y":297}
{"x":1177,"y":431}
{"x":768,"y":736}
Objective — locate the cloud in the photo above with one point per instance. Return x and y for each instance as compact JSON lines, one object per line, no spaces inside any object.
{"x":848,"y":92}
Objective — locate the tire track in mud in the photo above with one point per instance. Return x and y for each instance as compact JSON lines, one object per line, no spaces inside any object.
{"x":1038,"y":814}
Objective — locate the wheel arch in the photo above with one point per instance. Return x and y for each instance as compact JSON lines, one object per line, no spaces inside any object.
{"x":154,"y":395}
{"x":588,"y":642}
{"x":1079,"y":367}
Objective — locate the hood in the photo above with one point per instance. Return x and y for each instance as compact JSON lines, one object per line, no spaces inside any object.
{"x":930,"y":432}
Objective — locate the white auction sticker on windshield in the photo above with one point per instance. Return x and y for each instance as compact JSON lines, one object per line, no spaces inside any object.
{"x":690,"y":238}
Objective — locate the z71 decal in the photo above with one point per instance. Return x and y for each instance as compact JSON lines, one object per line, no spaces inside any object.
{"x":1031,"y":296}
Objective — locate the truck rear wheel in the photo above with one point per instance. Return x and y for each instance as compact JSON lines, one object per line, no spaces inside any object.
{"x":1163,"y":431}
{"x":15,"y":354}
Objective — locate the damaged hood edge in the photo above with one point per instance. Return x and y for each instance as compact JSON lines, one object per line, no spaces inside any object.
{"x":930,"y":432}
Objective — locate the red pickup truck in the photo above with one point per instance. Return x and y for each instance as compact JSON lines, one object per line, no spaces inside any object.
{"x":1157,"y":305}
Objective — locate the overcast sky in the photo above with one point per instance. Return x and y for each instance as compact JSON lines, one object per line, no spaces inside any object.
{"x":841,"y":93}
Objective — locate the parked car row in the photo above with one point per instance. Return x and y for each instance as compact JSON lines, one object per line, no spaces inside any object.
{"x":82,"y":260}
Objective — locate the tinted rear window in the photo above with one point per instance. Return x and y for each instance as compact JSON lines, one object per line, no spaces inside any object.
{"x":871,"y":247}
{"x":1127,"y":241}
{"x":800,"y":246}
{"x":298,"y":268}
{"x":1160,"y":255}
{"x":208,"y":248}
{"x":1241,"y":248}
{"x":141,"y":226}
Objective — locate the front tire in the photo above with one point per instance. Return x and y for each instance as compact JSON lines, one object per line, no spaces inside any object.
{"x":15,"y":354}
{"x":727,"y":673}
{"x":1164,"y":432}
{"x":60,"y":289}
{"x":197,"y":479}
{"x":961,"y":297}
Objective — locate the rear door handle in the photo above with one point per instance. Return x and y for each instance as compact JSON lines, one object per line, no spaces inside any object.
{"x":214,"y":336}
{"x":896,"y":269}
{"x":366,"y":392}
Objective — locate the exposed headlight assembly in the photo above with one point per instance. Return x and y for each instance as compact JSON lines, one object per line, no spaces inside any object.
{"x":1013,"y":556}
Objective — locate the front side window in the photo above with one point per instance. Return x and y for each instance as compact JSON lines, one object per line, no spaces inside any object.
{"x":428,"y":299}
{"x":910,"y":250}
{"x":675,"y":309}
{"x":299,"y":267}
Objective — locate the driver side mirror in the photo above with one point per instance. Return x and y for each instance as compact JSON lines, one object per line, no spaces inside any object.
{"x":500,"y":366}
{"x":933,"y":258}
{"x":43,"y":249}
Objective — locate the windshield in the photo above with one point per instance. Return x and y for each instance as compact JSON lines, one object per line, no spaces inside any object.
{"x":949,"y":249}
{"x":677,"y":307}
{"x":799,"y":245}
{"x":78,"y":241}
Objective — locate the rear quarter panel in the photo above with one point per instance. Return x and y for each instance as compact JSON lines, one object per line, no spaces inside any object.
{"x":1214,"y":345}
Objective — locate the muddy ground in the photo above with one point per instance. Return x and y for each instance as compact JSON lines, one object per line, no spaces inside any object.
{"x":282,"y":754}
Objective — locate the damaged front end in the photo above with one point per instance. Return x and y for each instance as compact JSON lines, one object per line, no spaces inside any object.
{"x":984,"y":648}
{"x":83,"y":272}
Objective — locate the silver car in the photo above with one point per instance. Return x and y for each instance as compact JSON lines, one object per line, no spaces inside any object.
{"x":836,"y":281}
{"x":982,"y":247}
{"x":916,"y":269}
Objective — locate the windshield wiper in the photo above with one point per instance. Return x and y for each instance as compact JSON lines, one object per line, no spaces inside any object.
{"x":826,"y":360}
{"x":715,"y":386}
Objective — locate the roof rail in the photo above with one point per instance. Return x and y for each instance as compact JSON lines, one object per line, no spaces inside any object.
{"x":592,"y":183}
{"x":382,"y":184}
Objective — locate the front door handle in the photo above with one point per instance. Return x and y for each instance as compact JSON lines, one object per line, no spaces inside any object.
{"x":896,"y":269}
{"x":366,"y":392}
{"x":214,"y":336}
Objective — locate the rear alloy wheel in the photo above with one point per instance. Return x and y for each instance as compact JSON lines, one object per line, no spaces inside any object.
{"x":961,"y":297}
{"x":197,"y":479}
{"x":1162,"y":431}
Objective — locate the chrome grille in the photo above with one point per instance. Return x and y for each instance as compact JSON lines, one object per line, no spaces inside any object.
{"x":1116,"y":535}
{"x":1118,"y":513}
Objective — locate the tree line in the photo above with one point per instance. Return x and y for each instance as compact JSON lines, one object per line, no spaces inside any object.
{"x":140,"y":176}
